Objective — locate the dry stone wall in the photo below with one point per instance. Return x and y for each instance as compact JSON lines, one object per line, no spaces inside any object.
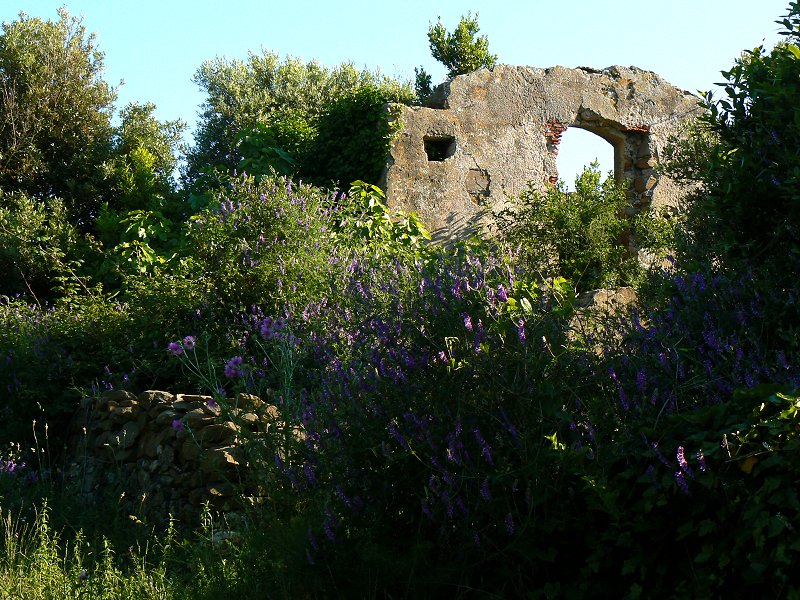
{"x":485,"y":135}
{"x":168,"y":454}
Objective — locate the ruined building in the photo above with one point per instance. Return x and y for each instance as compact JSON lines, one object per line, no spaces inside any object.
{"x":485,"y":135}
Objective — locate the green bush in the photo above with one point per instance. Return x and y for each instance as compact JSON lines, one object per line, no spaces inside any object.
{"x":577,"y":235}
{"x":354,"y":134}
{"x":258,"y":109}
{"x":55,"y":114}
{"x":261,"y":243}
{"x":748,"y":205}
{"x":713,"y":486}
{"x":41,"y":252}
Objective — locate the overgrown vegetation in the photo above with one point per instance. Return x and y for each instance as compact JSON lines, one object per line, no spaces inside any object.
{"x":270,"y":114}
{"x":461,"y":434}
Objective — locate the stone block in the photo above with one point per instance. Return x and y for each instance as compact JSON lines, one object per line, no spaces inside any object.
{"x":198,"y":418}
{"x":217,"y":433}
{"x":216,"y":461}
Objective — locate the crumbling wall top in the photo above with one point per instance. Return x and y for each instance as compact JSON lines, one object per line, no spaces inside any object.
{"x":485,"y":135}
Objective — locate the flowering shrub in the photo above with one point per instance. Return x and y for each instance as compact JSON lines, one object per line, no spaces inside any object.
{"x":261,"y":242}
{"x":393,"y":380}
{"x":439,"y":426}
{"x":444,"y":407}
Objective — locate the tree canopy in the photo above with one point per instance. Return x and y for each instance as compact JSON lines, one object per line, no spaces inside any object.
{"x":460,"y":51}
{"x":745,"y":158}
{"x":55,"y":112}
{"x":272,"y":104}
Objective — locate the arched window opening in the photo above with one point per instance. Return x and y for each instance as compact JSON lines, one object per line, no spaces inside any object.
{"x":577,"y":150}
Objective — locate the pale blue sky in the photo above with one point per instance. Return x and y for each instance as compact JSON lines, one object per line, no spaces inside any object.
{"x":156,"y":46}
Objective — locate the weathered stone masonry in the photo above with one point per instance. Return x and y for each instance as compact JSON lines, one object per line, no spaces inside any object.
{"x":485,"y":135}
{"x":169,"y":454}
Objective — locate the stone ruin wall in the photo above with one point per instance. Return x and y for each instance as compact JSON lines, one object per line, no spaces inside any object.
{"x":167,"y":454}
{"x":485,"y":135}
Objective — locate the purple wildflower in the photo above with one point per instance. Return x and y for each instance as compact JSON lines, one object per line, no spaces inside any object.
{"x":641,"y":381}
{"x":660,"y":456}
{"x":175,"y":348}
{"x":177,"y":425}
{"x":392,"y":427}
{"x":326,"y":526}
{"x":232,"y":367}
{"x":684,"y":465}
{"x":748,"y":379}
{"x":486,"y":450}
{"x":308,"y":471}
{"x":623,"y":399}
{"x":267,"y":329}
{"x":702,"y":460}
{"x":651,"y":474}
{"x":467,"y":322}
{"x":189,"y":342}
{"x":511,"y":429}
{"x":521,"y":331}
{"x":343,"y":496}
{"x":680,"y":479}
{"x":510,"y":524}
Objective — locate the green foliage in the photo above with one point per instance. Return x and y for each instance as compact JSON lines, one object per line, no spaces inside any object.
{"x":140,"y":228}
{"x":354,"y":135}
{"x":39,"y":563}
{"x":283,"y":103}
{"x":461,"y":52}
{"x":136,"y":242}
{"x":422,"y":85}
{"x":748,"y":204}
{"x":458,"y":438}
{"x":363,"y":222}
{"x":144,"y":159}
{"x":89,"y":342}
{"x":577,"y":235}
{"x":41,"y":253}
{"x":55,"y":110}
{"x":735,"y":522}
{"x":72,"y":341}
{"x":261,"y":243}
{"x":261,"y":154}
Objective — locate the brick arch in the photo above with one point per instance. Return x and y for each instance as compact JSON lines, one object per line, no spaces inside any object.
{"x":633,"y":155}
